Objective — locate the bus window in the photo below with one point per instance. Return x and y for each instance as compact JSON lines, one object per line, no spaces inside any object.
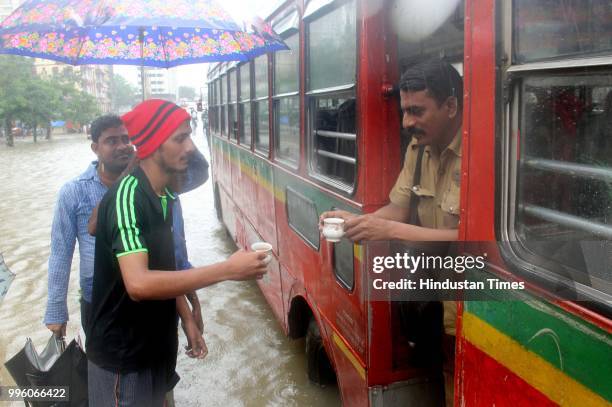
{"x":245,"y":104}
{"x":446,"y":40}
{"x":565,"y":123}
{"x":559,"y":209}
{"x":232,"y":107}
{"x":302,"y":217}
{"x":287,"y":103}
{"x":343,"y":263}
{"x":262,"y":127}
{"x":260,"y":113}
{"x":331,"y":96}
{"x":553,"y":28}
{"x":223,"y":101}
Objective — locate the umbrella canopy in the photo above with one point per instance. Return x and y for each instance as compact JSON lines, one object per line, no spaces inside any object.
{"x":157,"y":33}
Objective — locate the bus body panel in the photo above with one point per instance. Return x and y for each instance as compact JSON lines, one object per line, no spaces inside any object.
{"x":535,"y":349}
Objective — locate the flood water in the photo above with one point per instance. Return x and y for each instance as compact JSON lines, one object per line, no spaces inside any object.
{"x":250,"y":361}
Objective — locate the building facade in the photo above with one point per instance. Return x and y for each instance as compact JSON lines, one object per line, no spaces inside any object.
{"x":160,"y":83}
{"x":94,"y":80}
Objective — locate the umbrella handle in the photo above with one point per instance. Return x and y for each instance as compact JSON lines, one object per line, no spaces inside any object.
{"x":61,"y":342}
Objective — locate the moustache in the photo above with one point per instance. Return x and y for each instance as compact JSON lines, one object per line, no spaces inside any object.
{"x":413,"y":131}
{"x":130,"y":154}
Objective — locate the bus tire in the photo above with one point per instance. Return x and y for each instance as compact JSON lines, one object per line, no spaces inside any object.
{"x":218,"y":209}
{"x":320,"y":370}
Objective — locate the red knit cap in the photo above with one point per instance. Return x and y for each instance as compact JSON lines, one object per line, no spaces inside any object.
{"x":151,"y":123}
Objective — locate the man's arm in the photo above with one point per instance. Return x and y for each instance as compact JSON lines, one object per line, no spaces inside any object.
{"x":144,"y":284}
{"x":196,"y":347}
{"x":63,"y":239}
{"x":370,"y":227}
{"x":93,"y":220}
{"x":388,"y":223}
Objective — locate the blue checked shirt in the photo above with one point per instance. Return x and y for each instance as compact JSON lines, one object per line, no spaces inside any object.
{"x":75,"y":203}
{"x":76,"y":200}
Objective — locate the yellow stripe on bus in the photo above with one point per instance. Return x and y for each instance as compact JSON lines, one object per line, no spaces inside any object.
{"x":358,"y":252}
{"x":339,"y":342}
{"x":539,"y":373}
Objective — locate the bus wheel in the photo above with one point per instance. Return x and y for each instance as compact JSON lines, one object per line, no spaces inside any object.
{"x":320,"y":370}
{"x":218,"y":209}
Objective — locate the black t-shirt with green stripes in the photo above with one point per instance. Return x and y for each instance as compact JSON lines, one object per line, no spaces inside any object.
{"x":125,"y":334}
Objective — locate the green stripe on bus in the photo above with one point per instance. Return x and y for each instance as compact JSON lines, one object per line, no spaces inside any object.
{"x":118,"y":211}
{"x":579,"y":349}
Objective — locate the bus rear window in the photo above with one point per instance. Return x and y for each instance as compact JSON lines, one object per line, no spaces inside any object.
{"x":553,"y":28}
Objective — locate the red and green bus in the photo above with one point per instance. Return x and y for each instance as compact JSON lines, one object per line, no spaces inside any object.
{"x":318,"y":127}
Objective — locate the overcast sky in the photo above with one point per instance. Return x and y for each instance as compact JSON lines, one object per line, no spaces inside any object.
{"x":195,"y":75}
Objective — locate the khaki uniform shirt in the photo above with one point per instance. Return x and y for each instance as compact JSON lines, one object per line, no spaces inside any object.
{"x":439,"y":193}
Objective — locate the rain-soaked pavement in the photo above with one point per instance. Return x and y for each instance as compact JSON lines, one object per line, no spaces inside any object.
{"x":250,"y":361}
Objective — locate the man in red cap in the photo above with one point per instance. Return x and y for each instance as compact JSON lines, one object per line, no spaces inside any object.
{"x":132,"y":339}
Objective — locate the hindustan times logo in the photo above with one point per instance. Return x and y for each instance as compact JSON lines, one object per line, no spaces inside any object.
{"x":408,"y":262}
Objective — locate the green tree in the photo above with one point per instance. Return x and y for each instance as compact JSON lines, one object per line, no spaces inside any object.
{"x":17,"y":76}
{"x":45,"y":101}
{"x":36,"y":102}
{"x":123,"y":94}
{"x":186,"y":92}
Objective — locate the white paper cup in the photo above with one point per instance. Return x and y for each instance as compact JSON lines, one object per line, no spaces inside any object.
{"x":263,"y":247}
{"x":333,"y":229}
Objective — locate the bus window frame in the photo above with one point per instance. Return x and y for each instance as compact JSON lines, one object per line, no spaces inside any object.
{"x":233,"y":104}
{"x":328,"y":6}
{"x":242,"y":103}
{"x":256,"y":100}
{"x":516,"y":254}
{"x":223,"y":104}
{"x":276,"y":97}
{"x":349,"y":288}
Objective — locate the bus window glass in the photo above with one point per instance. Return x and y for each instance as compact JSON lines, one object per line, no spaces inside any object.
{"x":245,"y":104}
{"x":262,"y":127}
{"x":223,"y":120}
{"x":261,"y":76}
{"x":343,"y":263}
{"x":332,"y":48}
{"x":443,"y":38}
{"x":286,"y":72}
{"x":233,"y":86}
{"x":245,"y":124}
{"x":232,"y":122}
{"x":223,"y":89}
{"x":331,"y":111}
{"x":334,"y":150}
{"x":287,"y":121}
{"x":245,"y":82}
{"x":553,"y":28}
{"x":564,"y":175}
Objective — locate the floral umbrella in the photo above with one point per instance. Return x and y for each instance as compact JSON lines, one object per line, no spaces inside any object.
{"x":160,"y":33}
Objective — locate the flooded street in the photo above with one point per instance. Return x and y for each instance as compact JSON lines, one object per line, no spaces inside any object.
{"x":250,"y":361}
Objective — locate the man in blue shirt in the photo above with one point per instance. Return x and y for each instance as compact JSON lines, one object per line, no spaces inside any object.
{"x":76,"y":202}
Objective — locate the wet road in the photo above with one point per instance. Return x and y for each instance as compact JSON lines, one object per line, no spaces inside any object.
{"x":250,"y":361}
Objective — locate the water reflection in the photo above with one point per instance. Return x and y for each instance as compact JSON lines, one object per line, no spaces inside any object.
{"x":250,"y":361}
